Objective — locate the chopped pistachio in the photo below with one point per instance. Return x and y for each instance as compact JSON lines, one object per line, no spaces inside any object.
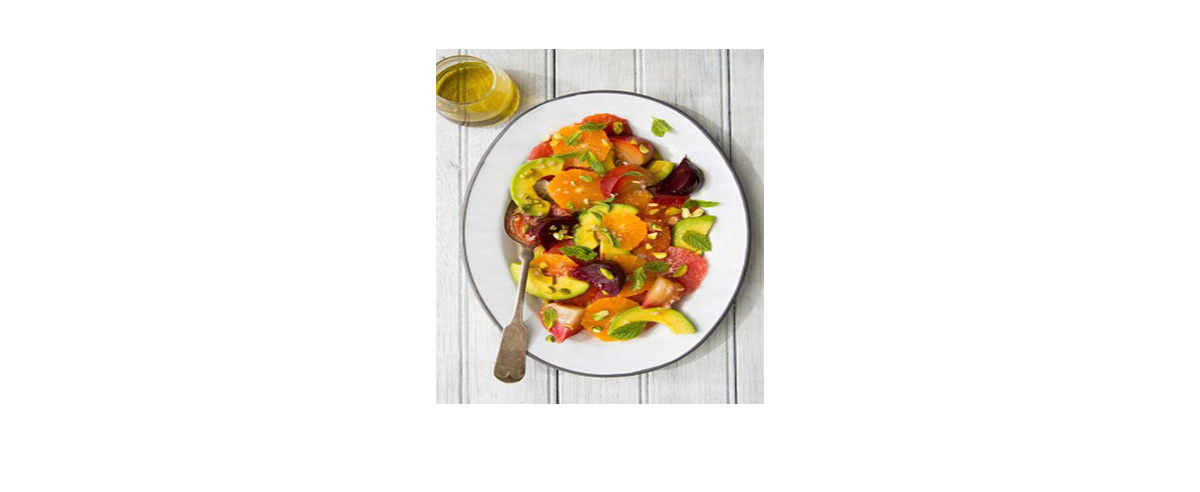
{"x":698,"y":212}
{"x":685,"y":213}
{"x":648,"y":246}
{"x":652,"y":235}
{"x":607,"y":274}
{"x":679,"y":273}
{"x":672,"y":211}
{"x":550,"y":338}
{"x":596,"y":329}
{"x":660,"y":255}
{"x":643,"y":149}
{"x":600,"y":315}
{"x":617,"y":127}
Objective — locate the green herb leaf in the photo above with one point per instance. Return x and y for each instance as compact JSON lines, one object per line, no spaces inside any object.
{"x":569,"y":155}
{"x":628,"y":331}
{"x":657,"y":266}
{"x":659,"y":127}
{"x":699,"y":203}
{"x":639,"y":278}
{"x":578,"y":252}
{"x":697,"y":240}
{"x":610,"y":199}
{"x":591,"y":127}
{"x":574,"y":138}
{"x":587,"y":178}
{"x":679,"y":273}
{"x":632,"y":173}
{"x":549,"y":316}
{"x":594,"y":163}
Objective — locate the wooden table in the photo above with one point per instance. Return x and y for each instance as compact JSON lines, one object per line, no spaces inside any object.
{"x":723,"y":90}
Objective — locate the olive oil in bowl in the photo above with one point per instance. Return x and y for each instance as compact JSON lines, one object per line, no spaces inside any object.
{"x":470,"y":92}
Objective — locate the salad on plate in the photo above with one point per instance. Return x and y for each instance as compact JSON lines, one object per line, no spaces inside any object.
{"x":618,"y":239}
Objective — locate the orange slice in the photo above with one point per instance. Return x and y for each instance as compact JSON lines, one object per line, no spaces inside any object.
{"x":627,"y":227}
{"x":554,"y":265}
{"x":575,"y":189}
{"x":658,"y":238}
{"x":613,"y":306}
{"x":629,"y":264}
{"x":595,"y":141}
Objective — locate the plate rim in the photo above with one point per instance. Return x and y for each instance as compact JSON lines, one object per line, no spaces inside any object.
{"x":462,"y":222}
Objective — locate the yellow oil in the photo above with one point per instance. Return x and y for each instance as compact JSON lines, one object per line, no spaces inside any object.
{"x":472,"y":93}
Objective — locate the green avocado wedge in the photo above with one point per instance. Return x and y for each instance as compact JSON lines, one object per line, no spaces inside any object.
{"x":528,"y":175}
{"x":700,"y":225}
{"x":547,"y":287}
{"x":674,"y":320}
{"x":589,"y":220}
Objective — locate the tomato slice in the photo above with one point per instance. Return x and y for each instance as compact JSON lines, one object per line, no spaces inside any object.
{"x":608,"y":183}
{"x":620,"y":128}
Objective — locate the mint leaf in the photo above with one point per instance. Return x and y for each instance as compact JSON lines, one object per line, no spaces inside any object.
{"x":639,"y":278}
{"x":591,"y":127}
{"x":568,"y":155}
{"x":657,"y":266}
{"x":628,"y":331}
{"x":578,"y":252}
{"x":594,"y":163}
{"x":659,"y":127}
{"x":699,"y":203}
{"x":549,"y":316}
{"x":697,"y":240}
{"x":574,"y":138}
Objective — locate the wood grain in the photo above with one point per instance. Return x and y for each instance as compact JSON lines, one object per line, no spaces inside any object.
{"x":723,"y":91}
{"x":746,"y":131}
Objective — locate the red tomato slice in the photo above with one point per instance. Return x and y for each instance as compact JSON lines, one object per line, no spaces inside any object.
{"x":621,"y":128}
{"x":610,"y":180}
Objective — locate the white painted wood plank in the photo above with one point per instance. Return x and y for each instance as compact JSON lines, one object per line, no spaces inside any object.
{"x":746,"y":131}
{"x":449,"y":267}
{"x":575,"y":71}
{"x":528,"y":68}
{"x":692,"y":80}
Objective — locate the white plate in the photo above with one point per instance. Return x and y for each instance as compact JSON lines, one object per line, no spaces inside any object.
{"x":488,"y":252}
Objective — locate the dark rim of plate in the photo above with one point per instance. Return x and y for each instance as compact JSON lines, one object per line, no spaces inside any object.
{"x":741,"y":191}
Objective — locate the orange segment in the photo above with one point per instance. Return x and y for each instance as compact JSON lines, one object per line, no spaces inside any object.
{"x":658,"y":243}
{"x":614,"y":306}
{"x":637,"y":198}
{"x":575,"y":189}
{"x":628,"y":264}
{"x":554,"y":265}
{"x":627,"y":227}
{"x":595,"y":141}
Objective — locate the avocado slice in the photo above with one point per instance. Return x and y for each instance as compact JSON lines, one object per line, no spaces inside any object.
{"x":700,"y":225}
{"x":527,"y":175}
{"x":547,"y":287}
{"x":585,"y":232}
{"x":659,"y":171}
{"x":674,"y":320}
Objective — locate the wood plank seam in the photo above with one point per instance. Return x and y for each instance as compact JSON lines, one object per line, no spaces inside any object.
{"x":727,"y":137}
